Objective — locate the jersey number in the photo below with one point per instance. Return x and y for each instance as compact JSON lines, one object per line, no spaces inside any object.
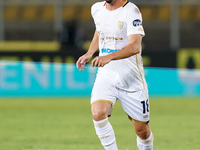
{"x":145,"y":105}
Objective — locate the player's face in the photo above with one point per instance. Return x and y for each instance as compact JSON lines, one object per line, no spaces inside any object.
{"x":111,"y":1}
{"x":108,"y":1}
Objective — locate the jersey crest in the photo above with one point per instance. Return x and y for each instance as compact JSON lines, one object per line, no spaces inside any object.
{"x":120,"y":24}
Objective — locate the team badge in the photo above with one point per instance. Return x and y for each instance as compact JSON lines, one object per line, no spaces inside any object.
{"x":120,"y":24}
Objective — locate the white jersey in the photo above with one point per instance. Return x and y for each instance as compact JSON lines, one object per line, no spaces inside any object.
{"x":113,"y":28}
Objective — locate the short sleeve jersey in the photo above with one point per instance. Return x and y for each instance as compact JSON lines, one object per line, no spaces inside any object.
{"x":113,"y":28}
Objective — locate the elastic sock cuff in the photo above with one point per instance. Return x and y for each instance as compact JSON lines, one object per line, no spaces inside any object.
{"x":100,"y":123}
{"x":149,"y":139}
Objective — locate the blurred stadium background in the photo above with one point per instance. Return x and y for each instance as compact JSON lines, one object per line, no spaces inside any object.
{"x":44,"y":99}
{"x":61,"y":30}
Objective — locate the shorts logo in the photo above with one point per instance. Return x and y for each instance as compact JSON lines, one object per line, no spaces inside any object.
{"x":145,"y":116}
{"x":137,"y":22}
{"x":120,"y":24}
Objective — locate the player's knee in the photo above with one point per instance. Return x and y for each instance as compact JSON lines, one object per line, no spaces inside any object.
{"x":99,"y":115}
{"x":143,"y":133}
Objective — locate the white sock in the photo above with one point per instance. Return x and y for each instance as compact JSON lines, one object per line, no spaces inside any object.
{"x":145,"y":144}
{"x":106,"y":134}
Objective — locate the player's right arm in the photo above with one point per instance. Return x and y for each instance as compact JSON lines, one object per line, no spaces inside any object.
{"x":92,"y":49}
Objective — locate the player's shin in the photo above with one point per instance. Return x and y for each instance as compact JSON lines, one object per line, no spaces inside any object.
{"x":145,"y":144}
{"x":106,"y":134}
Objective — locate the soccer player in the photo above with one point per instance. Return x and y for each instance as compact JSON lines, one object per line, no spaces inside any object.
{"x":118,"y":37}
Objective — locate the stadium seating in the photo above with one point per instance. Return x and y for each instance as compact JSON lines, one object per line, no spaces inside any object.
{"x":163,"y":13}
{"x":14,"y":1}
{"x":11,"y":13}
{"x":85,"y":13}
{"x":36,"y":21}
{"x":78,"y":12}
{"x":147,"y":12}
{"x":30,"y":13}
{"x":69,"y":12}
{"x":47,"y":13}
{"x":185,"y":12}
{"x":82,"y":12}
{"x":197,"y":13}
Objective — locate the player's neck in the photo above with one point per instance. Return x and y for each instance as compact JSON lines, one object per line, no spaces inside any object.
{"x":115,"y":5}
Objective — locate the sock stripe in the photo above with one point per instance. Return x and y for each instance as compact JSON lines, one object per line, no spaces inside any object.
{"x":102,"y":124}
{"x":110,"y":144}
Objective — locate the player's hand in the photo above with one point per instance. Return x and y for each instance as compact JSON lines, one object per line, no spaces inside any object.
{"x":100,"y":61}
{"x":80,"y":64}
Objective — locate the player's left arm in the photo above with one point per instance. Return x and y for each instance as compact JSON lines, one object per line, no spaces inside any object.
{"x":131,"y":49}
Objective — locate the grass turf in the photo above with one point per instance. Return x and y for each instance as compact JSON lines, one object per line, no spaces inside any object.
{"x":66,"y":124}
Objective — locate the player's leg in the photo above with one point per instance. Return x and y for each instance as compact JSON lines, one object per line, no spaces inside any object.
{"x":144,"y":135}
{"x":100,"y":112}
{"x":102,"y":100}
{"x":136,"y":105}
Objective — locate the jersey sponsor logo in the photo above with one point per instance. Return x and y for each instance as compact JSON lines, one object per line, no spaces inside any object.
{"x":137,"y":22}
{"x":108,"y":50}
{"x":101,"y":38}
{"x":104,"y":39}
{"x":120,"y":24}
{"x":114,"y":38}
{"x":109,"y":38}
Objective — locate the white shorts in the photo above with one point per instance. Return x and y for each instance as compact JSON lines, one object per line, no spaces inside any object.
{"x":135,"y":104}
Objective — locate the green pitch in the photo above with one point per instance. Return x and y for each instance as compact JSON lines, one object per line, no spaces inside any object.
{"x":66,"y":124}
